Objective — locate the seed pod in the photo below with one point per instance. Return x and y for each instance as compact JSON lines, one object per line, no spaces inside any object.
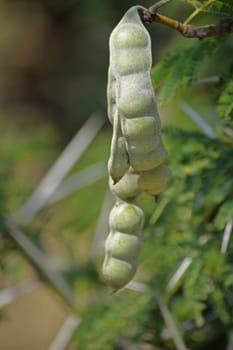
{"x":123,"y":244}
{"x":127,"y":187}
{"x":129,"y":40}
{"x":130,"y":64}
{"x":155,"y":181}
{"x":153,"y":159}
{"x":137,"y":151}
{"x":118,"y":161}
{"x":136,"y":97}
{"x":126,"y":217}
{"x":144,"y":127}
{"x":117,"y":273}
{"x":111,"y":95}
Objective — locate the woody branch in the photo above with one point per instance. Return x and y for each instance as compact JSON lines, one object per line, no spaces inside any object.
{"x":150,"y":15}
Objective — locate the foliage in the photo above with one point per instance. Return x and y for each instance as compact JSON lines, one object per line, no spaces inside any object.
{"x":225,"y":102}
{"x":183,"y":66}
{"x":221,"y":8}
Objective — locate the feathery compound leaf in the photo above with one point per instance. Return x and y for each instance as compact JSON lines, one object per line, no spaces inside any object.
{"x":162,"y":69}
{"x":180,"y":68}
{"x":221,"y":8}
{"x":225,"y":102}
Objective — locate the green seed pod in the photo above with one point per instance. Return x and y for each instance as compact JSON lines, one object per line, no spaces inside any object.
{"x":137,"y":151}
{"x":145,"y":162}
{"x":126,"y":63}
{"x":122,"y":249}
{"x":118,"y":161}
{"x":144,"y":127}
{"x":123,"y":245}
{"x":117,"y":273}
{"x":130,"y":35}
{"x":130,"y":62}
{"x":143,"y":146}
{"x":134,"y":103}
{"x":136,"y":96}
{"x":126,"y":217}
{"x":155,"y":181}
{"x":127,"y":187}
{"x":111,"y":95}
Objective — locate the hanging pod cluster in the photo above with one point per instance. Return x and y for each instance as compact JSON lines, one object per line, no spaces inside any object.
{"x":137,"y":155}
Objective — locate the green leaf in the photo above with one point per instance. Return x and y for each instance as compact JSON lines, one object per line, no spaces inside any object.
{"x":181,"y":68}
{"x":225,"y":102}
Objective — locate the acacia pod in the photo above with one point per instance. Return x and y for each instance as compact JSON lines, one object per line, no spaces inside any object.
{"x":126,"y":64}
{"x":145,"y":162}
{"x":134,"y":101}
{"x":111,"y":95}
{"x":135,"y":128}
{"x":131,"y":34}
{"x":137,"y":151}
{"x":155,"y":181}
{"x":118,"y":162}
{"x":129,"y":40}
{"x":124,"y":246}
{"x":130,"y":62}
{"x":117,"y":273}
{"x":136,"y":96}
{"x":126,"y":217}
{"x":127,"y":187}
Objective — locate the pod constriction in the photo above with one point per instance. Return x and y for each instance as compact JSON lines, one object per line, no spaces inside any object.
{"x":137,"y":155}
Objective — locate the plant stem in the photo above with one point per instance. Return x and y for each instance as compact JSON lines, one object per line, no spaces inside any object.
{"x":224,"y":27}
{"x":197,"y":11}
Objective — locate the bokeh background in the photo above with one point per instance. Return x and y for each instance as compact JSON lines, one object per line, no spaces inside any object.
{"x":53,"y":74}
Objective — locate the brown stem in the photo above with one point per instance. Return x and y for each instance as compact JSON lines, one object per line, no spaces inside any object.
{"x":225,"y":26}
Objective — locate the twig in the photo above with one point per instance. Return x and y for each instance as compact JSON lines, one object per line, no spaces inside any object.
{"x":150,"y":15}
{"x":10,"y":294}
{"x":63,"y":337}
{"x":226,"y":235}
{"x":178,"y":341}
{"x":61,"y":167}
{"x":179,"y":273}
{"x":206,"y":128}
{"x":198,"y":10}
{"x":39,"y":260}
{"x":138,"y":287}
{"x":208,"y":80}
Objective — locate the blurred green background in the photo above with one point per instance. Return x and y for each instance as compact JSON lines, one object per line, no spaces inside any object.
{"x":53,"y":75}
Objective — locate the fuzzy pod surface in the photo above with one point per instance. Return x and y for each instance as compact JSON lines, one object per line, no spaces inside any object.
{"x":123,"y":244}
{"x":134,"y":98}
{"x":137,"y":154}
